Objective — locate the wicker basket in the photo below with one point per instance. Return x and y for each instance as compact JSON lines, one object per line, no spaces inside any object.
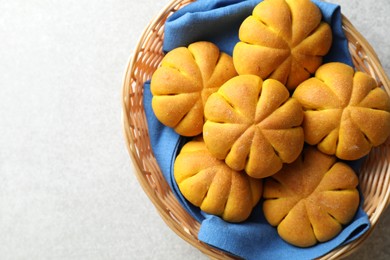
{"x":375,"y":173}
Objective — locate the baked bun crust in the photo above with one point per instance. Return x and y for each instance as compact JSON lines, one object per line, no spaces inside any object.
{"x":184,"y":81}
{"x":311,"y":199}
{"x":346,"y":113}
{"x":283,"y":40}
{"x":253,"y":125}
{"x":210,"y":184}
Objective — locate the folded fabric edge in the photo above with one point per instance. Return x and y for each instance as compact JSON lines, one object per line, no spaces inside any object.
{"x":229,"y":238}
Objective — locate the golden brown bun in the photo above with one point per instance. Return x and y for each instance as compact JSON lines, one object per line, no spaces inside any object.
{"x":253,"y":125}
{"x":183,"y":82}
{"x":283,"y":40}
{"x":210,"y":184}
{"x":310,"y":199}
{"x":346,"y":113}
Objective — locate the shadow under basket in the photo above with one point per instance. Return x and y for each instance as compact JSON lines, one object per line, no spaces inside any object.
{"x":374,"y":176}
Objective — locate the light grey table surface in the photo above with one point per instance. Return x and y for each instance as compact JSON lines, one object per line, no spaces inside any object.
{"x":67,"y":188}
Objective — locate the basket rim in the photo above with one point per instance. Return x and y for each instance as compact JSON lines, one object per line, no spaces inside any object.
{"x":342,"y":251}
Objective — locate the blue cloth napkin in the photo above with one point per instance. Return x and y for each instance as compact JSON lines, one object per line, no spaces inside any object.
{"x":218,"y":21}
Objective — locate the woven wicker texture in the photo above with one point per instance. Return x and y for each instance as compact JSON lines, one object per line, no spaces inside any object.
{"x":375,"y":173}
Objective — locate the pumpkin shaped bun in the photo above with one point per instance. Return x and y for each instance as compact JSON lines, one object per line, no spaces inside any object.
{"x":183,"y":82}
{"x":346,"y":113}
{"x":283,"y":40}
{"x":311,"y":199}
{"x":210,"y":184}
{"x":253,"y":125}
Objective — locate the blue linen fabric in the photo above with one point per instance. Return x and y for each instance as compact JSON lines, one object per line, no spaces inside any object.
{"x":218,"y":21}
